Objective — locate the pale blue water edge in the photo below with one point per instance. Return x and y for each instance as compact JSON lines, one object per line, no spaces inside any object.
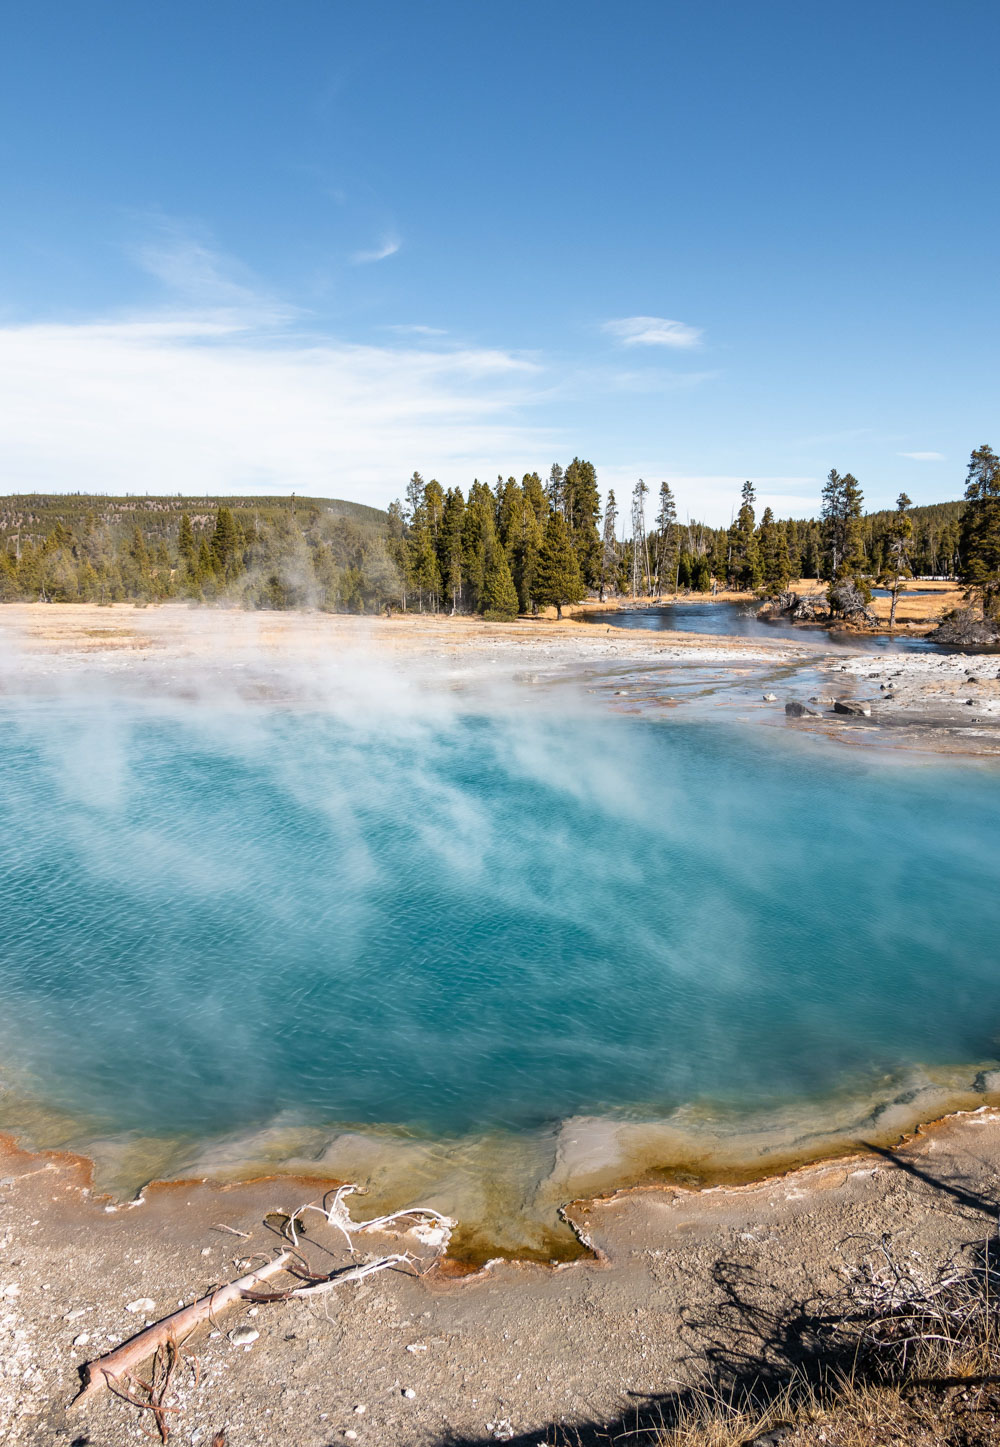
{"x":466,"y":923}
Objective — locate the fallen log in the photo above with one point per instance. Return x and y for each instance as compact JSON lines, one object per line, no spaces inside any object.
{"x":172,"y":1330}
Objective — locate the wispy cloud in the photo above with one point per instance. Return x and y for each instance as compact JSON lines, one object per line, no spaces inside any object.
{"x":204,"y":403}
{"x":924,"y":456}
{"x":388,"y":246}
{"x":416,"y":330}
{"x":199,"y":275}
{"x":653,"y":332}
{"x":654,"y":380}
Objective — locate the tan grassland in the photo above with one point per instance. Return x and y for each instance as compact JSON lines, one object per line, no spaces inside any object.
{"x":675,"y":1283}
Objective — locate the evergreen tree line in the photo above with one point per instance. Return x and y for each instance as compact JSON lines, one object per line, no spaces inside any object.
{"x":502,"y":550}
{"x":513,"y":547}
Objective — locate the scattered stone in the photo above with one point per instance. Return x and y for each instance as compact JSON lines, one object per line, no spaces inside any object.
{"x":770,"y":697}
{"x":360,"y":1410}
{"x":853,"y":706}
{"x":82,"y":1339}
{"x":795,"y":709}
{"x":75,"y":1314}
{"x":141,"y":1303}
{"x":972,"y":678}
{"x":409,"y":1392}
{"x":243,"y":1336}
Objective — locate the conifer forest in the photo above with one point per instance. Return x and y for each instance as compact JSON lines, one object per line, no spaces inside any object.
{"x":498,"y":551}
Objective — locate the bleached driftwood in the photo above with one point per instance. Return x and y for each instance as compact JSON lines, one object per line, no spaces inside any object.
{"x":116,"y":1368}
{"x":429,"y":1226}
{"x":174,"y":1329}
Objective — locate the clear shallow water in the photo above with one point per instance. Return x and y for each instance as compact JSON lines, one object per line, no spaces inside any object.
{"x":735,"y":620}
{"x":459,"y":924}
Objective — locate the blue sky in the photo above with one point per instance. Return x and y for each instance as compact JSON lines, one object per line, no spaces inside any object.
{"x":313,"y":246}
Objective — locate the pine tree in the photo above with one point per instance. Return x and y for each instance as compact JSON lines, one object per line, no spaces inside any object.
{"x":744,"y":558}
{"x":425,"y":572}
{"x":609,"y":545}
{"x":185,"y":540}
{"x":478,"y":541}
{"x":554,"y":490}
{"x":775,"y":565}
{"x":557,"y":580}
{"x":414,"y":496}
{"x":450,"y":545}
{"x":582,"y":506}
{"x":499,"y":601}
{"x":896,"y":565}
{"x":527,"y":539}
{"x":224,"y":544}
{"x":841,"y":516}
{"x":667,"y":545}
{"x":980,"y":530}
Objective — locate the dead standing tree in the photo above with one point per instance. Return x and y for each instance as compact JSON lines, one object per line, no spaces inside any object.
{"x":640,"y":549}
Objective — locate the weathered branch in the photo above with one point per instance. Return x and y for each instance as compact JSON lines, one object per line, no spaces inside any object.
{"x":173,"y":1329}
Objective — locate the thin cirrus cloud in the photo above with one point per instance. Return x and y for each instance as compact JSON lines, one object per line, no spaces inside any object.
{"x":924,"y":456}
{"x":388,"y":246}
{"x":196,"y":403}
{"x":225,"y":389}
{"x":653,"y":332}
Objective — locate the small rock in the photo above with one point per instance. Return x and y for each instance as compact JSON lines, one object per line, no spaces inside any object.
{"x":360,"y":1410}
{"x":970,"y":703}
{"x":243,"y":1336}
{"x":417,"y":1346}
{"x":141,"y":1303}
{"x":206,"y":1251}
{"x":75,"y":1314}
{"x":972,"y":678}
{"x":770,"y":697}
{"x":409,"y":1392}
{"x":350,"y":1434}
{"x":82,"y":1339}
{"x":853,"y":706}
{"x":12,"y":1290}
{"x":795,"y":709}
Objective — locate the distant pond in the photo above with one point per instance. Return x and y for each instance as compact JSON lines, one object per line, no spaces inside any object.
{"x":738,"y":619}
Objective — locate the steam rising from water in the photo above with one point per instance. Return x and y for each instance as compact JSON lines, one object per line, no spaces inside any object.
{"x":385,"y":905}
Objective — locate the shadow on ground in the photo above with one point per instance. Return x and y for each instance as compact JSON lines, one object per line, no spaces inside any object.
{"x":753,"y":1342}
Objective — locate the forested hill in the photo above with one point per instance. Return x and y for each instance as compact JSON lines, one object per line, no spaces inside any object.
{"x":501,"y":550}
{"x":31,"y":517}
{"x":261,"y":552}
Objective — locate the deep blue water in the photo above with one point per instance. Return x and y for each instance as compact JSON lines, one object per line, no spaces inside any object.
{"x":737,"y":619}
{"x":456,"y":923}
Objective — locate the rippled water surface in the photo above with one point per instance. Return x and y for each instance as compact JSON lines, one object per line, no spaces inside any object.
{"x":458,"y":923}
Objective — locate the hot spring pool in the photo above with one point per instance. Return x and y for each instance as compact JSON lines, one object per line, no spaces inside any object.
{"x":472,"y":924}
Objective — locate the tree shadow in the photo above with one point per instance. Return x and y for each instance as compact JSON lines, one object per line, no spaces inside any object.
{"x":753,"y":1345}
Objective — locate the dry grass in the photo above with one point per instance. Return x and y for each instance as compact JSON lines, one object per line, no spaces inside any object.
{"x":922,"y":1343}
